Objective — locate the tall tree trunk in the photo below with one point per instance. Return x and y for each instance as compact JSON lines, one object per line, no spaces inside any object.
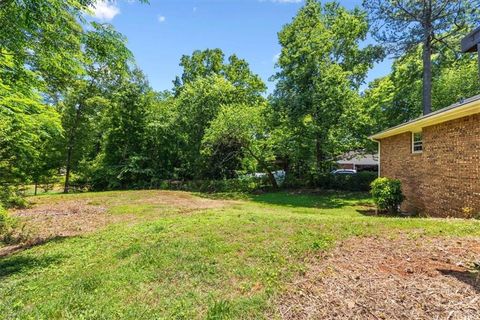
{"x":68,"y":169}
{"x":427,"y":63}
{"x":271,"y":177}
{"x":36,"y":186}
{"x":70,"y":146}
{"x":73,"y":132}
{"x":427,"y":78}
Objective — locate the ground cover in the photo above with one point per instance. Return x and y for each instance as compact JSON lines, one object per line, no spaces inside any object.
{"x":161,"y":254}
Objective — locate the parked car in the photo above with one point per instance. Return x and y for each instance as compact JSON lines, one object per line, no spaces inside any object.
{"x":343,"y":171}
{"x":279,"y":175}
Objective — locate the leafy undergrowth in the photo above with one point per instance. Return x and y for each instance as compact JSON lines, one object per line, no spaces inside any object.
{"x":225,"y":261}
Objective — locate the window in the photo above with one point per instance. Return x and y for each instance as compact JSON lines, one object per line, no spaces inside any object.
{"x":417,"y":142}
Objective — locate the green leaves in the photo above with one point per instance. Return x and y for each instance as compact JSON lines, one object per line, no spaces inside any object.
{"x":387,"y":194}
{"x":321,"y":68}
{"x":401,"y":25}
{"x":50,"y":61}
{"x":106,"y":52}
{"x":199,"y":102}
{"x":240,"y":122}
{"x":245,"y":126}
{"x":211,"y":62}
{"x":27,"y":127}
{"x":397,"y":98}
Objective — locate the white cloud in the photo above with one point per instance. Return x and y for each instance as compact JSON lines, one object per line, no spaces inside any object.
{"x":161,"y":18}
{"x":105,"y":11}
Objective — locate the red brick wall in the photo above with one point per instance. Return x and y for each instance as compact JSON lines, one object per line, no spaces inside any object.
{"x":444,"y":179}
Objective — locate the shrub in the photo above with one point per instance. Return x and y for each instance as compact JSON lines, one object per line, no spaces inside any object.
{"x":7,"y":226}
{"x":387,"y":194}
{"x":360,"y":181}
{"x":10,"y":197}
{"x":4,"y":220}
{"x":292,"y":182}
{"x":244,"y":184}
{"x":12,"y":231}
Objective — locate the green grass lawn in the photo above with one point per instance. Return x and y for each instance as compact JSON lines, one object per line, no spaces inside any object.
{"x":221,"y":263}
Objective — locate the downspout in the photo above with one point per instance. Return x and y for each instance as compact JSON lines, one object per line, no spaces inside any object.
{"x":379,"y":155}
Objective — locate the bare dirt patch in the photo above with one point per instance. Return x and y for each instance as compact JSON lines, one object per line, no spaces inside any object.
{"x":380,"y":278}
{"x":182,"y":200}
{"x":63,"y":217}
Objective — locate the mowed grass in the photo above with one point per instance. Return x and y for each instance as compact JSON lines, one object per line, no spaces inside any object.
{"x":223,"y":263}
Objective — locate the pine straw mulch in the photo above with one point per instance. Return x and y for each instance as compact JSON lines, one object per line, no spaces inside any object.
{"x":382,"y":278}
{"x":49,"y":220}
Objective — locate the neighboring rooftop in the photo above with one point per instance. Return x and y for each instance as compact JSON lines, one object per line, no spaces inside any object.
{"x":471,"y":41}
{"x":358,"y":158}
{"x":460,"y":109}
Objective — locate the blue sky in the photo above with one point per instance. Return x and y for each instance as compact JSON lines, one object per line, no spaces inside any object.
{"x":161,"y":32}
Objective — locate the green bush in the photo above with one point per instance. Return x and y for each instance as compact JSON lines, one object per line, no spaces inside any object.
{"x":360,"y":181}
{"x":10,"y":197}
{"x":7,"y":226}
{"x":292,"y":182}
{"x":4,"y":220}
{"x":387,"y":194}
{"x":12,"y":231}
{"x":245,"y":184}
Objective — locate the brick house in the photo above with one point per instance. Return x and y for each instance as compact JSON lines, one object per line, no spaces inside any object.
{"x":437,"y":158}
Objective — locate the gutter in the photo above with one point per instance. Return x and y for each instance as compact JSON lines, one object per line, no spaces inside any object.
{"x":458,"y":110}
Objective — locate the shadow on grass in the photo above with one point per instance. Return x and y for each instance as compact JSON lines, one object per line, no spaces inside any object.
{"x":16,"y":264}
{"x":468,"y":277}
{"x":312,"y":199}
{"x":12,"y":249}
{"x":370,"y":211}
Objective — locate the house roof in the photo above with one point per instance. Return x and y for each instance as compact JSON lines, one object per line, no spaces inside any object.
{"x":471,"y":41}
{"x":458,"y":110}
{"x":358,"y":158}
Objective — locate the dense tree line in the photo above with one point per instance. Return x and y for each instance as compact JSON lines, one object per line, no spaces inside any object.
{"x":74,"y":106}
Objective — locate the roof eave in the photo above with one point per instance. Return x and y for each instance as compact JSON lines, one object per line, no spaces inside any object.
{"x":469,"y":107}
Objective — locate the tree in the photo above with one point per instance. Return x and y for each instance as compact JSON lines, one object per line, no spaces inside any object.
{"x":45,"y":167}
{"x":162,"y":137}
{"x":322,"y":67}
{"x":208,"y":81}
{"x":397,"y":97}
{"x":123,"y":157}
{"x":404,"y":24}
{"x":245,"y":126}
{"x":198,"y":104}
{"x":211,"y":62}
{"x":29,"y":132}
{"x":43,"y":36}
{"x":106,"y":64}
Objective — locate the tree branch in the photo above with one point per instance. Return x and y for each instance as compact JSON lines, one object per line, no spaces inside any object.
{"x":408,"y":13}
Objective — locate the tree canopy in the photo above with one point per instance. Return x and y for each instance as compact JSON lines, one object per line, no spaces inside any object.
{"x":403,"y":25}
{"x":321,"y":68}
{"x":76,"y":109}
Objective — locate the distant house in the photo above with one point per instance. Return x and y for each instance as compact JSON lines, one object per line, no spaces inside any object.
{"x":437,"y":158}
{"x":358,"y":160}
